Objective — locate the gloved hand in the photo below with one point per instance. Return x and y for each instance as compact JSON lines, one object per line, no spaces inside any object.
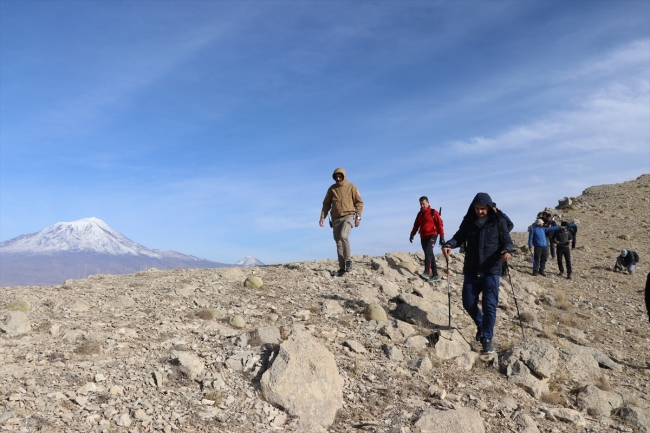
{"x":411,"y":239}
{"x":442,"y":241}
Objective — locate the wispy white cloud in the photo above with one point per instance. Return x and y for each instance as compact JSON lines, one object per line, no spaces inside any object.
{"x":613,"y":117}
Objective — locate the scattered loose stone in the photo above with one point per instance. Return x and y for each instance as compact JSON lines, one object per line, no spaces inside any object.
{"x":238,"y":322}
{"x":189,"y":364}
{"x":375,"y":312}
{"x":393,"y":353}
{"x":253,"y":282}
{"x":355,"y":346}
{"x":462,"y":420}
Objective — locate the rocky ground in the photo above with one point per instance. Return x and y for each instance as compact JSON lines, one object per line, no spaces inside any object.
{"x":292,"y":348}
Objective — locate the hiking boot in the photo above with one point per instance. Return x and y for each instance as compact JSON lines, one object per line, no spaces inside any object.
{"x":479,"y":335}
{"x":487,"y":346}
{"x":348,"y":265}
{"x":542,"y":273}
{"x":340,"y":273}
{"x":561,"y":273}
{"x":534,"y":273}
{"x":434,"y":279}
{"x":568,"y":277}
{"x":425,"y":276}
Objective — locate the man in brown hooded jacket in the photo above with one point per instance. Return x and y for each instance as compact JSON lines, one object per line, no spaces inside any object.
{"x":342,"y":201}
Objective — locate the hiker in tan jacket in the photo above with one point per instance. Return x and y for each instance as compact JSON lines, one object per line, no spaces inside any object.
{"x":342,"y":201}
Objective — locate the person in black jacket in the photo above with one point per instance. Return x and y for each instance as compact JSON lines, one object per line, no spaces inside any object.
{"x":573,"y":229}
{"x":510,"y":226}
{"x":562,"y":239}
{"x":627,"y":260}
{"x":488,"y":246}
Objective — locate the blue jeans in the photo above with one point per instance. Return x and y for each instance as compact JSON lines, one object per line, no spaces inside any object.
{"x":489,"y":286}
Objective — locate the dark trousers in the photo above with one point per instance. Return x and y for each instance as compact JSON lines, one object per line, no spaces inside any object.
{"x":551,"y":244}
{"x":489,"y":286}
{"x":429,"y":259}
{"x":566,"y":253}
{"x":541,"y":256}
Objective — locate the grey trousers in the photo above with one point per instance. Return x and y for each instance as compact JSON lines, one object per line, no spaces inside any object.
{"x":342,"y":227}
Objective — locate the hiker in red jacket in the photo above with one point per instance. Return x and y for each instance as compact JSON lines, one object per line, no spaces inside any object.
{"x":429,"y":223}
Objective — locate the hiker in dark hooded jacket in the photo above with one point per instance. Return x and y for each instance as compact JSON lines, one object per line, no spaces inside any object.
{"x":488,"y":245}
{"x":510,"y":226}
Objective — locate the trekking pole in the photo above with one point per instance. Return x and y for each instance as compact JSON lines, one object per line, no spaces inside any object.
{"x":448,"y":292}
{"x":521,"y":325}
{"x":532,"y":259}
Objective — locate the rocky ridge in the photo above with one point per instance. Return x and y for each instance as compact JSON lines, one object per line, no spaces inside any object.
{"x":293,"y":348}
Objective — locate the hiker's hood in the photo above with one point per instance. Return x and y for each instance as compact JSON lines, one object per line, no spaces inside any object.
{"x":340,"y":170}
{"x":480,"y":198}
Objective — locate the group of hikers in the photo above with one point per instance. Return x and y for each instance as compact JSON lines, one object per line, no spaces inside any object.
{"x":484,"y":234}
{"x":544,"y":236}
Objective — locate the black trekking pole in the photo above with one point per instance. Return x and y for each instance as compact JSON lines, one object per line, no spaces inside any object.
{"x":521,"y":325}
{"x":448,"y":292}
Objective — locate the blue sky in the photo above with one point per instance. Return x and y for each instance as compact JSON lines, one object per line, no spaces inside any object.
{"x":212,"y":127}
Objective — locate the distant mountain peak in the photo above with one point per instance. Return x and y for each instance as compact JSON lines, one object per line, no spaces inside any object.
{"x":88,"y":235}
{"x":249,"y":261}
{"x":79,"y":248}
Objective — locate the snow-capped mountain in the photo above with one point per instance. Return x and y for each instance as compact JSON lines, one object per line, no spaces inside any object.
{"x":249,"y":261}
{"x":80,"y":248}
{"x":84,"y":235}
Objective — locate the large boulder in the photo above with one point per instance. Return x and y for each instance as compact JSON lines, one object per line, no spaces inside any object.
{"x":304,"y":380}
{"x":16,"y":322}
{"x":398,"y":331}
{"x":396,"y":257}
{"x":580,"y":363}
{"x":538,"y":355}
{"x":450,"y":344}
{"x":266,"y":335}
{"x":567,"y":415}
{"x":638,"y":417}
{"x":412,"y":267}
{"x":418,"y":310}
{"x":519,"y":374}
{"x":462,"y":420}
{"x":390,"y":289}
{"x":598,"y":403}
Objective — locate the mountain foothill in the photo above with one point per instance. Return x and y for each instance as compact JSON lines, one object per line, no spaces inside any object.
{"x":292,"y":347}
{"x":86,"y":247}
